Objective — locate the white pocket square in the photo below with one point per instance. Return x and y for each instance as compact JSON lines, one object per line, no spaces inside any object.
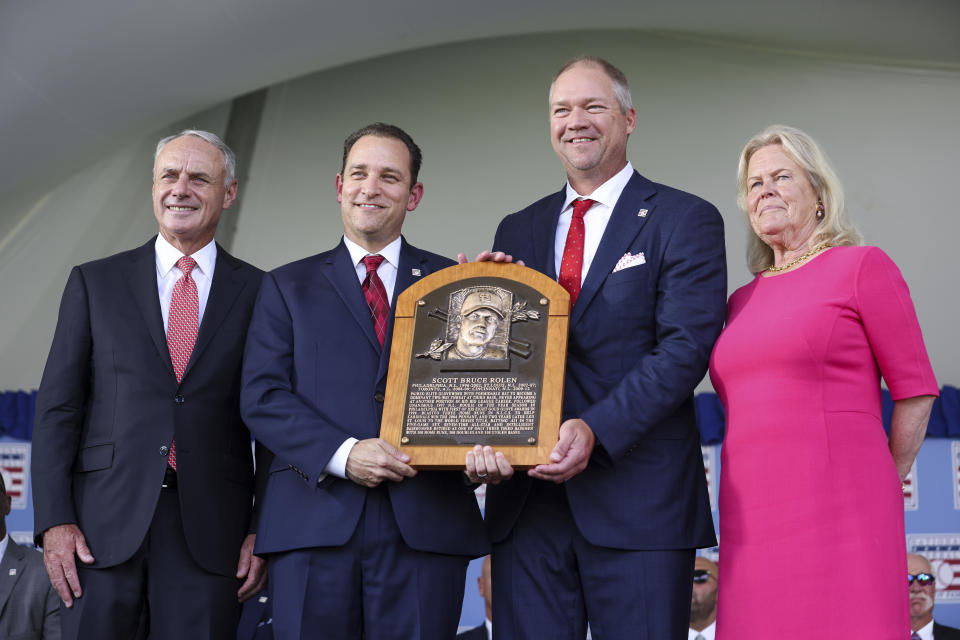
{"x":629,"y":260}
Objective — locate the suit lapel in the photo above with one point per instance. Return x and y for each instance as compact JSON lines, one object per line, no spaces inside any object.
{"x":224,"y":289}
{"x":142,"y":283}
{"x":624,"y":225}
{"x":342,"y":274}
{"x":410,"y":259}
{"x":12,"y":561}
{"x":544,"y":254}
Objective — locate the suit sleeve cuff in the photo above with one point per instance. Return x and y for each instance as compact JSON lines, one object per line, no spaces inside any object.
{"x":338,"y":463}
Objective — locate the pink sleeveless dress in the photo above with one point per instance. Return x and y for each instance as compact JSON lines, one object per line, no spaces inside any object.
{"x":811,"y":511}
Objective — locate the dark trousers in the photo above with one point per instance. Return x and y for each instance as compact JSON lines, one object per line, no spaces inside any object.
{"x":160,"y":591}
{"x":374,"y":587}
{"x":548,"y":581}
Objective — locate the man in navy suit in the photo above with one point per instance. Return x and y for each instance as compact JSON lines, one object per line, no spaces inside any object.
{"x":607,"y":530}
{"x":360,"y":543}
{"x":142,"y":467}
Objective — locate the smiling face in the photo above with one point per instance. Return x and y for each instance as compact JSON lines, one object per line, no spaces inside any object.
{"x":374,"y":191}
{"x":189,"y":192}
{"x":588,"y":130}
{"x":780,"y":199}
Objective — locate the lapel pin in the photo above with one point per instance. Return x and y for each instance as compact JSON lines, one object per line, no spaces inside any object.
{"x":13,"y":572}
{"x":642,"y":213}
{"x":415,"y":272}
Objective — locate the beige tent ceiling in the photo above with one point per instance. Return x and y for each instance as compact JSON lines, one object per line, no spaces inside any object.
{"x":76,"y":77}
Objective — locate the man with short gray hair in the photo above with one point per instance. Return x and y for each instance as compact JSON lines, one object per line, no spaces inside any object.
{"x":142,"y":466}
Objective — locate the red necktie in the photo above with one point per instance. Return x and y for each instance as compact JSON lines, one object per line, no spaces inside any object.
{"x":571,"y":266}
{"x":182,"y":323}
{"x":376,"y":296}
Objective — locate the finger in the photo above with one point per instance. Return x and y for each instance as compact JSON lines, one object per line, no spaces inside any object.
{"x":59,"y":582}
{"x":483,"y":256}
{"x":504,"y":466}
{"x":547,"y":473}
{"x":490,"y":463}
{"x":392,"y":451}
{"x":83,"y":551}
{"x":70,"y":573}
{"x":256,"y":579}
{"x":248,"y":588}
{"x":482,"y":471}
{"x":470,"y":463}
{"x":559,"y":451}
{"x":260,"y":568}
{"x":391,"y":475}
{"x":520,"y":262}
{"x":243,"y":567}
{"x":471,"y":466}
{"x":461,"y":258}
{"x":394,"y":466}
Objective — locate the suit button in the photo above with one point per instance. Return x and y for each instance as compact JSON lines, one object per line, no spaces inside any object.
{"x":378,"y":396}
{"x":164,"y":450}
{"x":178,"y":399}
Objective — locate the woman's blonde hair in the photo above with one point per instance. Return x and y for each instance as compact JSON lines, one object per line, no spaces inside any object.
{"x":834,"y":228}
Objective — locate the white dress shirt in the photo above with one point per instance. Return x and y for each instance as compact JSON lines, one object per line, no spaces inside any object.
{"x":594,"y":220}
{"x":3,"y":545}
{"x":709,"y":633}
{"x":168,"y":274}
{"x":387,"y":271}
{"x":926,"y":631}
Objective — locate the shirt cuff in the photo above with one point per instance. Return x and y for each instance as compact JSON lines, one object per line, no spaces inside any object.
{"x":338,"y":463}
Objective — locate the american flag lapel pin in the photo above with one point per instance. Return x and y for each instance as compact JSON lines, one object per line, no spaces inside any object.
{"x":13,"y":572}
{"x":415,"y":272}
{"x":642,"y":213}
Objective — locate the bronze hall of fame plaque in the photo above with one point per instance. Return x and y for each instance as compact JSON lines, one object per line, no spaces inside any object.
{"x":477,"y":357}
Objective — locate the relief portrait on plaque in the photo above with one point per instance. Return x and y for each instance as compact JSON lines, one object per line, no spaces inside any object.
{"x":478,"y":321}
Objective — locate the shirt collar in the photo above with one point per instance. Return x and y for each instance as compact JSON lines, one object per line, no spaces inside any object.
{"x":607,"y":194}
{"x":390,"y":253}
{"x":926,"y":631}
{"x":167,"y":256}
{"x":4,"y":544}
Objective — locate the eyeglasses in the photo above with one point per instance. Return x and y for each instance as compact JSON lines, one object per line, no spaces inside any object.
{"x":701,"y":575}
{"x":923,"y":579}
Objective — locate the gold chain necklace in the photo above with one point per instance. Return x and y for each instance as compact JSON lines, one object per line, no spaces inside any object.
{"x":809,"y":254}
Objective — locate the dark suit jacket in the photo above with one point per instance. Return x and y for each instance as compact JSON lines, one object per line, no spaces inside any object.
{"x":477,"y":633}
{"x":942,"y":632}
{"x":29,"y":607}
{"x":313,"y":376}
{"x":639,"y":343}
{"x":109,"y":405}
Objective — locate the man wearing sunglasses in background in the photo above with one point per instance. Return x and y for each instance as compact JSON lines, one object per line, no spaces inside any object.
{"x":923,"y":585}
{"x":703,"y":602}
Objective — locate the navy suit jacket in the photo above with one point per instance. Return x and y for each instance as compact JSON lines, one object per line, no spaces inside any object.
{"x":109,"y":405}
{"x":314,"y":375}
{"x":640,"y":339}
{"x":943,"y":632}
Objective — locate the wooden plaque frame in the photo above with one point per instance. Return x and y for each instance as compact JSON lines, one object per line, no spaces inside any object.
{"x":553,"y":298}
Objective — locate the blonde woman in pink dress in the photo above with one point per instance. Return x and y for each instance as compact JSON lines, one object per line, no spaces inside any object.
{"x":810,"y":485}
